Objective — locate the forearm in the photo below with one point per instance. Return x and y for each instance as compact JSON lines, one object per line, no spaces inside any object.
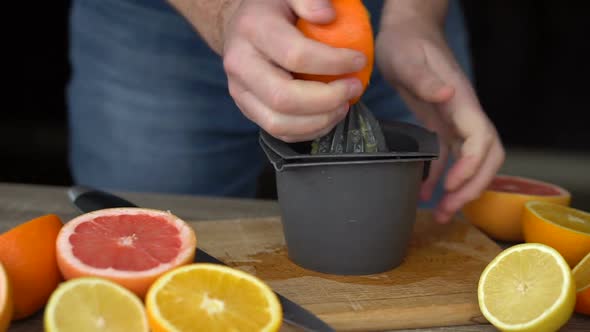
{"x":208,"y":17}
{"x":397,"y":12}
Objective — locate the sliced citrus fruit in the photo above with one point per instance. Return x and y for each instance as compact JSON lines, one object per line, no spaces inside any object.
{"x":527,"y":287}
{"x":130,"y":246}
{"x":582,"y":276}
{"x":27,"y":252}
{"x":211,"y":297}
{"x":5,"y":300}
{"x":94,"y":304}
{"x":564,"y":228}
{"x":498,"y":210}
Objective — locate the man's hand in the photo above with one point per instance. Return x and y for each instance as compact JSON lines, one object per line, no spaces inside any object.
{"x":414,"y":57}
{"x":261,"y":47}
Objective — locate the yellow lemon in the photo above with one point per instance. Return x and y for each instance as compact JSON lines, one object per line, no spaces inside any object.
{"x":93,"y":304}
{"x":527,"y":287}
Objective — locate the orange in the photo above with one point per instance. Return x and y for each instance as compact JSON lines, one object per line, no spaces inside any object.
{"x":28,"y":254}
{"x":5,"y":300}
{"x":350,"y":29}
{"x":564,"y":228}
{"x":213,"y":298}
{"x":129,"y":246}
{"x":498,"y":210}
{"x":582,"y":276}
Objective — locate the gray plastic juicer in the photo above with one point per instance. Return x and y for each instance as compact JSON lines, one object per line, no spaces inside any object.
{"x":351,"y":213}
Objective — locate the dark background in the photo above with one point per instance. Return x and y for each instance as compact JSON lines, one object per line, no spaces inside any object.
{"x":531,"y":65}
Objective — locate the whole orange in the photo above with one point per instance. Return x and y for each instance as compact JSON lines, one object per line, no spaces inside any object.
{"x":350,"y":29}
{"x":28,"y":254}
{"x":565,"y":229}
{"x":582,"y":276}
{"x":498,"y":210}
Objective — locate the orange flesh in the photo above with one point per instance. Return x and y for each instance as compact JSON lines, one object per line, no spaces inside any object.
{"x":126,"y":242}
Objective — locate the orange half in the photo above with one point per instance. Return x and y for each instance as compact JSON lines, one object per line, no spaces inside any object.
{"x":582,"y":276}
{"x":564,"y":228}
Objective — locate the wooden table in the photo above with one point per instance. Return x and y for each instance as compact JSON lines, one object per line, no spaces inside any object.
{"x":19,"y":203}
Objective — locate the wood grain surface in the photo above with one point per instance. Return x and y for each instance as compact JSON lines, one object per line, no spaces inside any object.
{"x":435,"y":286}
{"x":21,"y":202}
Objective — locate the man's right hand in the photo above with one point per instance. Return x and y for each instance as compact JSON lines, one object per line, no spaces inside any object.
{"x":262,"y":46}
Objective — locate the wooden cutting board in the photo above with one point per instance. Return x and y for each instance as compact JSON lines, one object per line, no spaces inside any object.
{"x":435,"y":286}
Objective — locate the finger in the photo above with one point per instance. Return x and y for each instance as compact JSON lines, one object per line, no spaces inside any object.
{"x":323,"y":132}
{"x":427,"y":113}
{"x":279,"y":124}
{"x":480,"y":139}
{"x":423,"y":82}
{"x":316,"y":11}
{"x":278,"y":38}
{"x":279,"y":91}
{"x":453,"y":201}
{"x":418,"y":77}
{"x":465,"y":115}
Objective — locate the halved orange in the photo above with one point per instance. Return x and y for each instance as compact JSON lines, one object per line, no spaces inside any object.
{"x":582,"y":276}
{"x":564,"y":228}
{"x":498,"y":210}
{"x":5,"y":300}
{"x":211,"y":297}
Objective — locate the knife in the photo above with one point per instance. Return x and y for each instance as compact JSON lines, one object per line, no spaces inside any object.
{"x":88,"y":199}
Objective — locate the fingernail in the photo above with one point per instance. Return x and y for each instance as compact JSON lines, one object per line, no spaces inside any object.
{"x":425,"y":194}
{"x":355,"y":88}
{"x":441,"y":217}
{"x":342,"y":110}
{"x":359,"y":62}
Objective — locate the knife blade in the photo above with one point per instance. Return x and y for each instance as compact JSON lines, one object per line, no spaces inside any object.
{"x":87,"y":199}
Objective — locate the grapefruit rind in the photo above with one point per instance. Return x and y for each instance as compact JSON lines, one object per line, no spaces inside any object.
{"x":561,"y":191}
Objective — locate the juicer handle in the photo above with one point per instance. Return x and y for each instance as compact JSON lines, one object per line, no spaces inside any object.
{"x":427,"y":140}
{"x":277,"y":161}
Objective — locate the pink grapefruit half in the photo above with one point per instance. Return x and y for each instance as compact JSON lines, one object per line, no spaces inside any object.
{"x":498,"y":210}
{"x":130,"y":246}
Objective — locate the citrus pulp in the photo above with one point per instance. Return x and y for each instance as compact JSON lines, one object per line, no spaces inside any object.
{"x":213,"y":298}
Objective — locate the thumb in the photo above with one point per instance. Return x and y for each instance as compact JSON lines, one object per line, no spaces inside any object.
{"x":315,"y":11}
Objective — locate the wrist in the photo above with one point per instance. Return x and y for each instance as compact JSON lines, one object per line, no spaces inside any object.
{"x":427,"y":13}
{"x":224,"y":17}
{"x":209,"y":18}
